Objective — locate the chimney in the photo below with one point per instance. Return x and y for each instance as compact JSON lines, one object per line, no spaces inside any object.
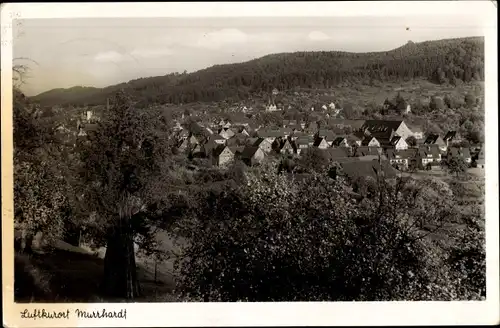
{"x":107,"y":103}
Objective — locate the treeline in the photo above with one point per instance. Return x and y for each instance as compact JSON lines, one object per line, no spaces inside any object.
{"x":445,"y":61}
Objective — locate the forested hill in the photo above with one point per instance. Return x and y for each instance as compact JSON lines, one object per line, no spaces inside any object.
{"x":442,"y":61}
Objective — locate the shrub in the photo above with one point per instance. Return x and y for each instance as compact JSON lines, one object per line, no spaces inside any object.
{"x":276,"y":239}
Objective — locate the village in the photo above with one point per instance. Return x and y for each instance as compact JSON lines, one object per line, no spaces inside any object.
{"x":392,"y":139}
{"x":353,"y":143}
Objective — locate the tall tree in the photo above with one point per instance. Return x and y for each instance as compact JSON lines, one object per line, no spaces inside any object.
{"x":122,"y":162}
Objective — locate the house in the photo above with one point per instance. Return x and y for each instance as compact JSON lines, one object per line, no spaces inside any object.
{"x":271,"y":108}
{"x":451,"y":137}
{"x":403,"y":159}
{"x":337,"y":153}
{"x":252,"y":155}
{"x":365,"y":151}
{"x":285,"y":132}
{"x":398,"y":143}
{"x":236,"y":150}
{"x":262,"y":143}
{"x":353,"y":140}
{"x":459,"y":152}
{"x":312,"y":127}
{"x":328,"y":135}
{"x":218,"y":139}
{"x":340,"y":142}
{"x":183,"y":134}
{"x":226,"y":133}
{"x":398,"y":126}
{"x":269,"y":135}
{"x":297,"y":134}
{"x":321,"y":143}
{"x":427,"y":155}
{"x":435,"y":139}
{"x":303,"y":143}
{"x":86,"y":129}
{"x":222,"y":155}
{"x":193,"y":140}
{"x":283,"y":146}
{"x":370,"y":142}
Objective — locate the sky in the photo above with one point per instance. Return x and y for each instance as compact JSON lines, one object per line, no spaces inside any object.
{"x":100,"y":52}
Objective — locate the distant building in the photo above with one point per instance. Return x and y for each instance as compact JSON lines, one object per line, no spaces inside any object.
{"x":451,"y":137}
{"x":398,"y":127}
{"x":340,"y":142}
{"x":370,"y":142}
{"x":222,"y":155}
{"x":428,"y":155}
{"x":399,"y":143}
{"x":321,"y":143}
{"x":252,"y":155}
{"x":403,"y":159}
{"x":435,"y":139}
{"x":262,"y":143}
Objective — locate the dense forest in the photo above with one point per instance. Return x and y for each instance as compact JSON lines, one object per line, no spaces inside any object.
{"x":449,"y":61}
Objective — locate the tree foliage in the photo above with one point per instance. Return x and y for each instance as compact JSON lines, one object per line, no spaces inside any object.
{"x":455,"y":165}
{"x":124,"y":164}
{"x":280,"y":239}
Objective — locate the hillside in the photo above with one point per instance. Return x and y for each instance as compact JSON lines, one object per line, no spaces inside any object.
{"x":449,"y":61}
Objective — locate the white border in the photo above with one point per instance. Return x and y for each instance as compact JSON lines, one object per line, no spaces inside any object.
{"x":258,"y":314}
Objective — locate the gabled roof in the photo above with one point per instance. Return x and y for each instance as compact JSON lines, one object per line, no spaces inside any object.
{"x":367,"y":140}
{"x":402,"y":154}
{"x":450,"y":135}
{"x":219,"y":149}
{"x":248,"y":152}
{"x":352,"y":138}
{"x":269,"y":133}
{"x":432,"y":139}
{"x":355,"y":124}
{"x":338,"y":152}
{"x":394,"y":141}
{"x":363,"y":151}
{"x":338,"y":140}
{"x":356,"y":169}
{"x":304,"y":140}
{"x":327,"y":134}
{"x":236,"y":149}
{"x":382,"y":125}
{"x":318,"y":141}
{"x":432,"y":149}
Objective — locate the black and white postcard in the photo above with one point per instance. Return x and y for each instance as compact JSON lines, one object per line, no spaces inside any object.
{"x":249,"y":163}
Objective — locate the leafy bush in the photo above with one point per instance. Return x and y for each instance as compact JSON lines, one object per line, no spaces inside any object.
{"x":276,"y":239}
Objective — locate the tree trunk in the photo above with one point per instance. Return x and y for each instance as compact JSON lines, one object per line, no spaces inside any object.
{"x":120,"y":272}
